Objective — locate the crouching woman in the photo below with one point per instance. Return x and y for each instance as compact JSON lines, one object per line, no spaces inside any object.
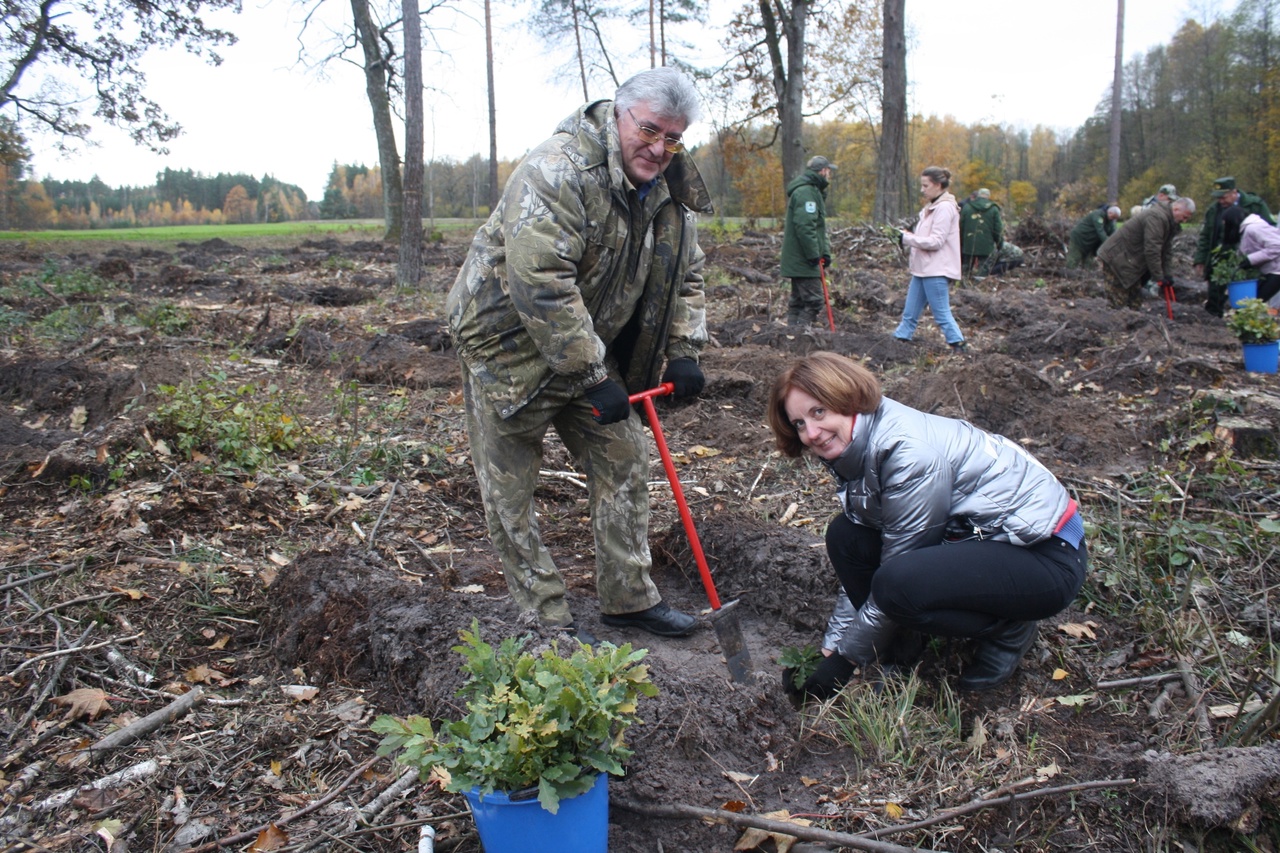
{"x":946,"y":529}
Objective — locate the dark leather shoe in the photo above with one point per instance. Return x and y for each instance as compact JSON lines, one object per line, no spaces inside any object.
{"x":997,"y":656}
{"x":660,"y":619}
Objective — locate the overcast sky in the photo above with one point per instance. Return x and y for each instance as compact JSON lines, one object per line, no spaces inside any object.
{"x":260,"y":112}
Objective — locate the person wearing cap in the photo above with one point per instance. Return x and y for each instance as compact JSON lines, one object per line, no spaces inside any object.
{"x":1090,"y":233}
{"x":1142,"y":251}
{"x":1166,"y":193}
{"x":804,"y":240}
{"x":981,"y":233}
{"x":1227,"y":195}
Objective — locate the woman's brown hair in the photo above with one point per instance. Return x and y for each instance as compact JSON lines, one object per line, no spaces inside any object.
{"x":939,"y":175}
{"x":835,"y":381}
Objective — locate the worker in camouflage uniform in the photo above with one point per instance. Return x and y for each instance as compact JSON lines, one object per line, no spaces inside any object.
{"x":1167,"y":192}
{"x":584,"y":280}
{"x":1226,"y":194}
{"x":981,"y":233}
{"x":804,"y":241}
{"x":1142,"y":251}
{"x":1090,"y":233}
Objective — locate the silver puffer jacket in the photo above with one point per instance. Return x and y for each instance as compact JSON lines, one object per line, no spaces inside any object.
{"x":907,"y":474}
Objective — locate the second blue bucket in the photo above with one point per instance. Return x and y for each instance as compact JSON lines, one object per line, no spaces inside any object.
{"x":523,"y":826}
{"x":1238,"y":290}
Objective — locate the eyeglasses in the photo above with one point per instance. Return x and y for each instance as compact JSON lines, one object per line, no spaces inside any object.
{"x":648,"y":136}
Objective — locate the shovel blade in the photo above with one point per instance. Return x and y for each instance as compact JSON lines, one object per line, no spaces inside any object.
{"x":729,"y":633}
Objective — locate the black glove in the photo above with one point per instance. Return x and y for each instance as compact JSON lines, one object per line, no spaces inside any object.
{"x":1165,"y":284}
{"x":685,"y":374}
{"x":900,"y":233}
{"x":610,"y":402}
{"x":826,"y":261}
{"x":832,"y":673}
{"x":813,"y":262}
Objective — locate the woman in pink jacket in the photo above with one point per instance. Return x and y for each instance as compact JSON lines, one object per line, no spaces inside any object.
{"x":1259,"y":241}
{"x":935,"y":259}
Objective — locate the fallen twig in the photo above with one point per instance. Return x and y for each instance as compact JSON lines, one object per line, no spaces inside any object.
{"x":568,"y":476}
{"x":121,"y":777}
{"x":373,"y":531}
{"x":63,"y":569}
{"x":1134,"y":682}
{"x":807,"y":833}
{"x":987,"y":802}
{"x":379,"y":803}
{"x":138,"y":728}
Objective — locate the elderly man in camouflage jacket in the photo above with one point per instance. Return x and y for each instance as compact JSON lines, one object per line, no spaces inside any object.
{"x":1142,"y":251}
{"x":584,"y":280}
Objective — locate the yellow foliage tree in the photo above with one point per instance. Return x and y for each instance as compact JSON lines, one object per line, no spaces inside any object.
{"x":757,"y":175}
{"x":237,"y":207}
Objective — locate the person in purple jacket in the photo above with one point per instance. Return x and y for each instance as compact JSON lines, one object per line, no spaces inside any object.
{"x":934,"y":261}
{"x":1259,"y":242}
{"x":946,"y":529}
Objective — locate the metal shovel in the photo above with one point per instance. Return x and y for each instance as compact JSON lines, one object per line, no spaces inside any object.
{"x":723,"y":618}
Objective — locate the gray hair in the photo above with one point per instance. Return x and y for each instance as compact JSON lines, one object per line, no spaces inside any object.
{"x":666,"y":91}
{"x":1113,"y":211}
{"x":1186,"y":203}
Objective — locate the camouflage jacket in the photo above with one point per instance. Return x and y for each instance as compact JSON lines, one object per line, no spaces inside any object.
{"x":573,"y":274}
{"x":1143,"y":249}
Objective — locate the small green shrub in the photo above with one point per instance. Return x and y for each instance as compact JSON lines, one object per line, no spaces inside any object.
{"x":68,"y":323}
{"x":549,"y":721}
{"x":802,"y":661}
{"x":165,"y":318}
{"x":242,"y":427}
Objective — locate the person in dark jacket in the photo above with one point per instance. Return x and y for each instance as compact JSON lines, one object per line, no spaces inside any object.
{"x":946,"y":530}
{"x":804,"y":241}
{"x":1142,"y":251}
{"x":1227,"y":196}
{"x":981,"y":233}
{"x":1090,"y":233}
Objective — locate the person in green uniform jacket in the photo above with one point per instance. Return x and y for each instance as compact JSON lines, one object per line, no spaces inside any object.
{"x":804,"y":240}
{"x":981,"y":233}
{"x":1227,"y":195}
{"x":1090,"y":233}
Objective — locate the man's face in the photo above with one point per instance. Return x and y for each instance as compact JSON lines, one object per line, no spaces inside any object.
{"x":1228,"y":198}
{"x":643,"y":161}
{"x":1181,"y":214}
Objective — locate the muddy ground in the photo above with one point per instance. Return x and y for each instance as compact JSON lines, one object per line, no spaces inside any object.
{"x":304,"y":598}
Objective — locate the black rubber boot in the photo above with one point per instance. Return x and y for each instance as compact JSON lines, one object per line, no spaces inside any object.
{"x":997,"y":656}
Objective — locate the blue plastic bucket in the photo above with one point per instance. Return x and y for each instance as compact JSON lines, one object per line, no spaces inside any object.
{"x":524,"y":826}
{"x":1261,"y":358}
{"x":1240,"y":290}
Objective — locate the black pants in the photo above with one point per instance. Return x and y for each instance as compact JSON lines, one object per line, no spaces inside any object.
{"x":1268,"y":286}
{"x":957,"y":589}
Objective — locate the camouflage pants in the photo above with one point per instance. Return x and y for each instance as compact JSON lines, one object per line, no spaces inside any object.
{"x":1077,"y":257}
{"x":1121,"y":294}
{"x":806,"y":301}
{"x":615,"y":458}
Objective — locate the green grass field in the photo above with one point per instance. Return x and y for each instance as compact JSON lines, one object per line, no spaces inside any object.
{"x":368,"y":228}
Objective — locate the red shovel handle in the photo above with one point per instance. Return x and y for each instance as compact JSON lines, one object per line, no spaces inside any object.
{"x":676,"y":489}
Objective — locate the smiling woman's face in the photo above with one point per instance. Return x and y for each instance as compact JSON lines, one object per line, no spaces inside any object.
{"x":823,"y":431}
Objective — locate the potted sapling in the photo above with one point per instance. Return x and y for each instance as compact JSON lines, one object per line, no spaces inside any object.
{"x":540,"y":737}
{"x":1258,"y":329}
{"x":1230,"y":275}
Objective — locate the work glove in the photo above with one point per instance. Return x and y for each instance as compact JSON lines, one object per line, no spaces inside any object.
{"x":832,"y":673}
{"x":1166,"y":285}
{"x":826,"y":261}
{"x":685,"y":374}
{"x":609,"y":400}
{"x":813,"y":262}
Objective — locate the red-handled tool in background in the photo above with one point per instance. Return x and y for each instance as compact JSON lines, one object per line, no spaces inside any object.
{"x":826,"y":297}
{"x":723,"y":617}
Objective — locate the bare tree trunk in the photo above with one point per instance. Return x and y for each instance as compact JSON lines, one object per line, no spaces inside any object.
{"x":409,"y":270}
{"x":653,"y":48}
{"x":787,"y":24}
{"x":893,"y":138}
{"x":375,"y":81}
{"x":494,"y":189}
{"x":1117,"y":82}
{"x":662,"y":29}
{"x":577,"y":40}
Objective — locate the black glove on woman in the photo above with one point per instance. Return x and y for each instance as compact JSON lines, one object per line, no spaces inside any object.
{"x":832,"y":673}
